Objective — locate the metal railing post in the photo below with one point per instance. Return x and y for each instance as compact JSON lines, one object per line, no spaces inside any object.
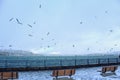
{"x":44,"y":63}
{"x":6,"y":64}
{"x":75,"y":62}
{"x":61,"y":63}
{"x":87,"y":61}
{"x":117,"y":60}
{"x":99,"y":61}
{"x":108,"y":61}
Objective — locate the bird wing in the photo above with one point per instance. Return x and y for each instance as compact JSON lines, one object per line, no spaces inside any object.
{"x":29,"y":25}
{"x":11,"y":19}
{"x":18,"y":21}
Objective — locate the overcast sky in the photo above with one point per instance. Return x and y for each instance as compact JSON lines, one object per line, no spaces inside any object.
{"x":60,"y":26}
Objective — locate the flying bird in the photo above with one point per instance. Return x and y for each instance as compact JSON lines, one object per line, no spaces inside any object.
{"x":53,"y":39}
{"x":111,"y":30}
{"x":48,"y":33}
{"x":106,"y":11}
{"x":40,"y":6}
{"x":88,"y":49}
{"x":34,"y":23}
{"x":73,"y":45}
{"x":29,"y":25}
{"x":81,"y":22}
{"x":10,"y":45}
{"x":42,"y":39}
{"x":115,"y":44}
{"x":96,"y":41}
{"x":11,"y":19}
{"x":48,"y":46}
{"x":30,"y":35}
{"x":18,"y":21}
{"x":95,"y":17}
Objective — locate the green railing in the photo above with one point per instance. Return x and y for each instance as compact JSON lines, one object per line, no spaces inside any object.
{"x":47,"y":62}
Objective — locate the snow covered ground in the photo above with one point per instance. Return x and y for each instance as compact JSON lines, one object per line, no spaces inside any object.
{"x":81,"y":74}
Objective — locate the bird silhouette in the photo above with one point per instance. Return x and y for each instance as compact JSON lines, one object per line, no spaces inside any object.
{"x":30,"y":35}
{"x":96,"y":41}
{"x":81,"y":22}
{"x":29,"y":25}
{"x":34,"y":23}
{"x":54,"y":43}
{"x":73,"y":45}
{"x":48,"y":33}
{"x":106,"y":11}
{"x":42,"y":39}
{"x":10,"y":45}
{"x":48,"y":46}
{"x":111,"y":30}
{"x":53,"y":39}
{"x":40,"y":6}
{"x":115,"y":44}
{"x":95,"y":17}
{"x":88,"y":49}
{"x":11,"y":19}
{"x":18,"y":21}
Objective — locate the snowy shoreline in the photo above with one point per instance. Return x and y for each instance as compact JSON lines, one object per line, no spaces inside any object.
{"x":81,"y":74}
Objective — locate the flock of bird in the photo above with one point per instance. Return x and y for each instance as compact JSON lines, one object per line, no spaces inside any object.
{"x":29,"y":25}
{"x":48,"y":33}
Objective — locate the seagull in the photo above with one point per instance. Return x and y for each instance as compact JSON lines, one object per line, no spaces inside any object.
{"x":95,"y":17}
{"x":10,"y":45}
{"x":29,"y":25}
{"x":48,"y":46}
{"x":40,"y":6}
{"x":11,"y":19}
{"x":88,"y":49}
{"x":53,"y":39}
{"x":106,"y":11}
{"x":42,"y":39}
{"x":34,"y":23}
{"x":96,"y":41}
{"x":73,"y":45}
{"x":115,"y":44}
{"x":30,"y":35}
{"x":18,"y":21}
{"x":81,"y":22}
{"x":48,"y":33}
{"x":111,"y":30}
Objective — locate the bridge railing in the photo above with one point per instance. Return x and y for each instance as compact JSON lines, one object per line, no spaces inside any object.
{"x":55,"y":63}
